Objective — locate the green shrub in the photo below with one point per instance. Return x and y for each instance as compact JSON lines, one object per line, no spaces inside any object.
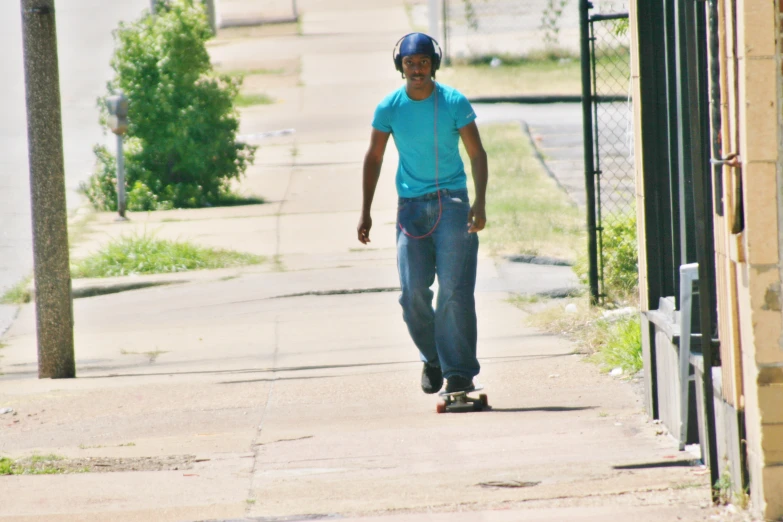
{"x":181,"y":148}
{"x":620,"y":259}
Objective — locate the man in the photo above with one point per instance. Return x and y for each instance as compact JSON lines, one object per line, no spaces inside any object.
{"x":436,"y":225}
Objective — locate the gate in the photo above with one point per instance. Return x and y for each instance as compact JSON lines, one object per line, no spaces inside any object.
{"x":608,"y":153}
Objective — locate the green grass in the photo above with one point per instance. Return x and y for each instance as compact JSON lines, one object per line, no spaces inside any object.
{"x":231,"y":199}
{"x":516,"y":76}
{"x":538,"y":73}
{"x":35,"y":465}
{"x":146,"y":254}
{"x":18,"y":294}
{"x":623,"y":346}
{"x":527,"y":213}
{"x":255,"y":72}
{"x":249,"y":100}
{"x":610,"y":343}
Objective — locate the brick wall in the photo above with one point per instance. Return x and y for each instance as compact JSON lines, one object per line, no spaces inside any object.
{"x":759,"y":283}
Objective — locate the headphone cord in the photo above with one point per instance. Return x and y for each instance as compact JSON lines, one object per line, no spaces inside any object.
{"x":437,"y":186}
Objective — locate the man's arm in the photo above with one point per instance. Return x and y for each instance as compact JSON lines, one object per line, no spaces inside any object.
{"x":370,"y":174}
{"x":477,"y":218}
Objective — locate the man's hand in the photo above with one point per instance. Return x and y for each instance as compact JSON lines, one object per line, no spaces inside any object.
{"x":363,"y":230}
{"x":477,"y":217}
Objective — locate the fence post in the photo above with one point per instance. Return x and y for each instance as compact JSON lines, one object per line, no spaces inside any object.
{"x":434,"y":18}
{"x":589,"y":159}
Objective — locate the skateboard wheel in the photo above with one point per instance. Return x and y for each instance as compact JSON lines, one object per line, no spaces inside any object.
{"x":483,"y":399}
{"x":441,"y":407}
{"x":478,"y":406}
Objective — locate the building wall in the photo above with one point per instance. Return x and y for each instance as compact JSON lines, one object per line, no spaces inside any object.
{"x":758,"y":257}
{"x":748,"y":264}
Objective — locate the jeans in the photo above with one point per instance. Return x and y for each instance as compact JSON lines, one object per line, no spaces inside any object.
{"x":446,"y":336}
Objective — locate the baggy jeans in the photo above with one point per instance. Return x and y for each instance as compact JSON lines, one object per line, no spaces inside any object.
{"x":445,"y":336}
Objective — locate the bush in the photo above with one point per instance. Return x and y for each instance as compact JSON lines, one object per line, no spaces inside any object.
{"x":620,"y":259}
{"x":181,"y":149}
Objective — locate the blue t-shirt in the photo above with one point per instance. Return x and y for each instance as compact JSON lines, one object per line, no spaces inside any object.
{"x":412,"y":123}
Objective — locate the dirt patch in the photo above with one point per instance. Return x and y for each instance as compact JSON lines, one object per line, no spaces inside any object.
{"x":35,"y":465}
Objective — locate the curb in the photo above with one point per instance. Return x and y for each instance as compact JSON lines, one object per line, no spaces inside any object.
{"x":545,"y":99}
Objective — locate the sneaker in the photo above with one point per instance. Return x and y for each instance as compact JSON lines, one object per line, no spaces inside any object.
{"x":458,"y":383}
{"x":431,"y":378}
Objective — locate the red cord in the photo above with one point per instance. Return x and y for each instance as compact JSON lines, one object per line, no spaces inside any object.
{"x":437,"y":186}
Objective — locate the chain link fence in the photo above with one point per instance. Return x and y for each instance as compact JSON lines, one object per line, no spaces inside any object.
{"x":476,"y":29}
{"x":238,"y":13}
{"x":613,"y":143}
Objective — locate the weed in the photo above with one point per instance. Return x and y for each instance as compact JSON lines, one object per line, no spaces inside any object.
{"x":35,"y":465}
{"x":611,"y":343}
{"x":725,"y":487}
{"x":278,"y":264}
{"x":620,"y":259}
{"x":550,"y":22}
{"x":145,"y":254}
{"x":623,"y":346}
{"x":19,"y":293}
{"x":152,"y":355}
{"x":249,"y":100}
{"x":686,"y":485}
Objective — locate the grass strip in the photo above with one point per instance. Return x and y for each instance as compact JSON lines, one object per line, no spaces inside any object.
{"x":527,"y":212}
{"x":35,"y":465}
{"x":18,"y":294}
{"x":540,"y":73}
{"x":145,"y":254}
{"x":250,"y":100}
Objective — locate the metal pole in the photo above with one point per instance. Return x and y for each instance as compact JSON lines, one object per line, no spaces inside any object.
{"x":446,"y":51}
{"x":120,"y":178}
{"x":53,"y":306}
{"x":212,"y":14}
{"x":434,"y":19}
{"x":696,"y":34}
{"x":589,"y":163}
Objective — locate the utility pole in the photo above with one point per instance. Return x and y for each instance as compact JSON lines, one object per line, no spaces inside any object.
{"x":434,"y":19}
{"x":53,"y":305}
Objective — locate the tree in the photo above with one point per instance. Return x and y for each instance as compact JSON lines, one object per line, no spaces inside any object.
{"x":181,"y":141}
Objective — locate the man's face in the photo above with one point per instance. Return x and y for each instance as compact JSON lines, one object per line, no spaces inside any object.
{"x":417,"y":69}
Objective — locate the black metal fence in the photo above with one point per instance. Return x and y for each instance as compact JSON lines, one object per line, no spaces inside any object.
{"x":609,"y":162}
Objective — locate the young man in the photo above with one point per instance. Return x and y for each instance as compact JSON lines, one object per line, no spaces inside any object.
{"x":436,"y":225}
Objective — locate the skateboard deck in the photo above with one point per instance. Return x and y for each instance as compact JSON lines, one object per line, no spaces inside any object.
{"x":462,"y":401}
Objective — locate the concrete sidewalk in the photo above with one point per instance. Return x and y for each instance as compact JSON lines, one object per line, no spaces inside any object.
{"x":290,"y":390}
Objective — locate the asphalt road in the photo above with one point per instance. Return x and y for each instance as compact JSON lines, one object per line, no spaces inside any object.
{"x":85,"y":46}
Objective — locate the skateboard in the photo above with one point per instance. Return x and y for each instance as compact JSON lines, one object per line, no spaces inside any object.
{"x":462,"y":401}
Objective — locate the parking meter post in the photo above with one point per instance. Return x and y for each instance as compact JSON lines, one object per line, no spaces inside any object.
{"x":53,"y":305}
{"x":117,"y":106}
{"x":120,"y":178}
